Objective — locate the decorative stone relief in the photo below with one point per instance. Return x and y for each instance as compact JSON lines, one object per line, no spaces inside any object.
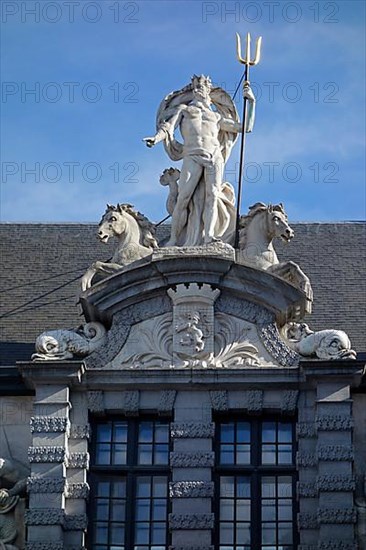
{"x":135,"y":234}
{"x":131,"y":402}
{"x":289,"y":401}
{"x":334,"y":423}
{"x":77,"y":490}
{"x":276,"y":347}
{"x":149,"y":345}
{"x":193,"y":322}
{"x":335,"y":452}
{"x":123,"y":325}
{"x":195,"y":459}
{"x":52,"y":453}
{"x":96,"y":401}
{"x":234,"y":344}
{"x":254,"y":400}
{"x":75,"y":522}
{"x":80,"y":431}
{"x":306,"y":489}
{"x":307,"y":521}
{"x":191,"y":521}
{"x":335,"y":482}
{"x":192,"y":430}
{"x":38,"y":484}
{"x":191,"y":548}
{"x":56,"y":345}
{"x":324,"y":344}
{"x":191,"y":489}
{"x":306,"y":459}
{"x":166,"y":401}
{"x":305,"y":430}
{"x":48,"y":424}
{"x":44,"y":516}
{"x":78,"y":460}
{"x":219,"y":400}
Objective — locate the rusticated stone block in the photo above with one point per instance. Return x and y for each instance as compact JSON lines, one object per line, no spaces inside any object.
{"x":46,"y":454}
{"x":191,"y":521}
{"x":38,"y":484}
{"x":196,"y":459}
{"x":191,"y":489}
{"x":192,"y":430}
{"x":44,"y":516}
{"x":219,"y":400}
{"x":339,"y":515}
{"x":49,"y":424}
{"x":334,"y":423}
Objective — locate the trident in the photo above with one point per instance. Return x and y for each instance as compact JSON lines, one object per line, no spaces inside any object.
{"x":248,"y":63}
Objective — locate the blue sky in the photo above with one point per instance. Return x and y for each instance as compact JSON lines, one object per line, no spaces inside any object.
{"x":100,"y":69}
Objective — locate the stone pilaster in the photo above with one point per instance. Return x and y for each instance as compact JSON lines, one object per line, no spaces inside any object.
{"x":335,"y":516}
{"x":191,"y":490}
{"x":47,"y":518}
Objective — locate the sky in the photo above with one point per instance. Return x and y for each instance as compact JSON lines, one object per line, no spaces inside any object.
{"x":82,"y":82}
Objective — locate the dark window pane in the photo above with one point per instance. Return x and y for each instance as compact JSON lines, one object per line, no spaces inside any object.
{"x":160,"y":487}
{"x":119,"y":489}
{"x":143,"y":510}
{"x":269,"y":533}
{"x":120,"y":432}
{"x":161,"y":454}
{"x":117,"y":532}
{"x":243,"y":510}
{"x":143,"y":486}
{"x":243,"y":432}
{"x":243,"y":533}
{"x":227,"y":510}
{"x":269,"y":432}
{"x":103,"y":453}
{"x":103,"y":489}
{"x":145,"y":454}
{"x":227,"y":486}
{"x":226,"y":533}
{"x":284,"y":432}
{"x":103,"y":510}
{"x":119,"y":454}
{"x":227,"y":433}
{"x":146,"y":432}
{"x":162,"y":433}
{"x":104,"y":433}
{"x":142,"y":532}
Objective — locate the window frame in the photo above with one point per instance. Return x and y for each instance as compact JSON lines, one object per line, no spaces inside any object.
{"x":256,"y":471}
{"x":129,"y":471}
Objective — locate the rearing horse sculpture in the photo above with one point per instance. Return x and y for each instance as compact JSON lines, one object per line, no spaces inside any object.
{"x":135,"y":240}
{"x":257,"y":231}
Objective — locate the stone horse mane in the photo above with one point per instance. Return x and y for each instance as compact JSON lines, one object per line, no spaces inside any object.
{"x":253,"y":211}
{"x":147,"y":237}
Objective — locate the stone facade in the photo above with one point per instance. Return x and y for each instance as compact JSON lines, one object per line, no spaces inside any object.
{"x":322,"y":399}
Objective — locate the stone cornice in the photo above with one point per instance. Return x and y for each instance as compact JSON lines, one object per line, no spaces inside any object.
{"x":68,"y":373}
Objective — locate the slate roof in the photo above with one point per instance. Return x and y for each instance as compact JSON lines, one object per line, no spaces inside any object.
{"x":42,"y":265}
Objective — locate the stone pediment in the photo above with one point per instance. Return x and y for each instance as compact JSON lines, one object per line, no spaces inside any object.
{"x":202,"y":310}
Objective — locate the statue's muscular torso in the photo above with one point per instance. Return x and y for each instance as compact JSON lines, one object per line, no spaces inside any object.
{"x":199,"y":126}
